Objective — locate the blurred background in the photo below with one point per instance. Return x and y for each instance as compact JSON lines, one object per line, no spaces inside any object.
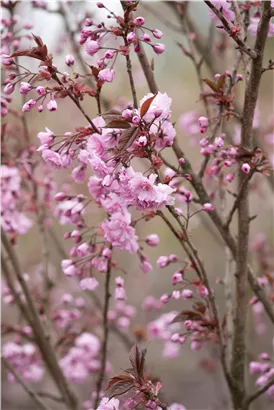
{"x":188,"y":379}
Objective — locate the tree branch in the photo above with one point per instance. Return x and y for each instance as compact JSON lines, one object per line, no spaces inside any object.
{"x":226,"y":26}
{"x":28,"y":390}
{"x":45,"y":348}
{"x":258,"y":393}
{"x":102,"y":370}
{"x":225,"y":233}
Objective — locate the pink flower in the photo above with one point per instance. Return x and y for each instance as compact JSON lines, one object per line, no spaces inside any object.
{"x":176,"y":406}
{"x":146,"y":266}
{"x":52,"y":105}
{"x":245,"y":168}
{"x":119,"y":232}
{"x":152,"y":240}
{"x":52,"y":158}
{"x":79,"y":174}
{"x":83,"y":249}
{"x":24,"y":88}
{"x":92,"y":47}
{"x":89,"y":284}
{"x":146,"y":38}
{"x":69,"y":60}
{"x":45,"y":137}
{"x":107,"y":74}
{"x":158,"y":48}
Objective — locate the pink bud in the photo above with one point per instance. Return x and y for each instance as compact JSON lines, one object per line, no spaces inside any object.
{"x":120,"y":293}
{"x":119,"y":281}
{"x":208,"y":207}
{"x":187,"y":294}
{"x":157,"y":33}
{"x":24,"y":88}
{"x":162,"y":262}
{"x":106,"y":253}
{"x":177,"y":278}
{"x":9,"y":88}
{"x":100,"y":5}
{"x":69,"y":60}
{"x":203,"y":123}
{"x":52,"y":105}
{"x":109,"y":54}
{"x":92,"y":47}
{"x":29,"y":105}
{"x":165,"y":298}
{"x":245,"y":168}
{"x":181,"y":160}
{"x":6,"y":60}
{"x":146,"y":38}
{"x":239,"y":77}
{"x":40,"y":108}
{"x":158,"y":48}
{"x":229,"y":177}
{"x":60,"y":196}
{"x":139,"y":21}
{"x":131,"y":37}
{"x":152,"y":240}
{"x":40,"y":90}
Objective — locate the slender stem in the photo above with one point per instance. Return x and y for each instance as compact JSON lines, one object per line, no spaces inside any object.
{"x":225,"y":233}
{"x":28,"y":390}
{"x":258,"y":393}
{"x":102,"y":370}
{"x":238,"y":199}
{"x":45,"y":347}
{"x":226,"y":26}
{"x":148,"y":72}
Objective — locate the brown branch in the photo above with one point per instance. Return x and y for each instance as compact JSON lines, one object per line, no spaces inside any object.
{"x":225,"y":233}
{"x":238,"y":198}
{"x":28,"y":390}
{"x":211,"y":297}
{"x":239,"y":336}
{"x":227,"y":27}
{"x":148,"y":72}
{"x":258,"y":393}
{"x":102,"y":370}
{"x":43,"y":344}
{"x":130,"y":76}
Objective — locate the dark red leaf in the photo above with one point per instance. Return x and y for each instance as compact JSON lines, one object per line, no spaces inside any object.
{"x":137,"y":360}
{"x":211,"y":84}
{"x":120,"y":123}
{"x":221,"y":82}
{"x":145,"y":106}
{"x":187,"y":315}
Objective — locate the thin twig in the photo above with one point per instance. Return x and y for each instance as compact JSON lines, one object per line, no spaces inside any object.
{"x":226,"y":26}
{"x":28,"y":390}
{"x":43,"y":344}
{"x":225,"y":233}
{"x":104,"y":347}
{"x":258,"y":393}
{"x":238,"y":198}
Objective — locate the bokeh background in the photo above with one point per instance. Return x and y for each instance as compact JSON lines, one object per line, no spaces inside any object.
{"x":184,"y":379}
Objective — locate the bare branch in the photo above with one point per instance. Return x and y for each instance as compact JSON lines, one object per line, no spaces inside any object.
{"x":258,"y":393}
{"x":102,"y":370}
{"x":28,"y":390}
{"x":46,"y":349}
{"x":227,"y":27}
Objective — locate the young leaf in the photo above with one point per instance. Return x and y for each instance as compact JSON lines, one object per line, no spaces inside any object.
{"x":137,"y":360}
{"x":211,"y":84}
{"x":145,"y":106}
{"x":187,"y":315}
